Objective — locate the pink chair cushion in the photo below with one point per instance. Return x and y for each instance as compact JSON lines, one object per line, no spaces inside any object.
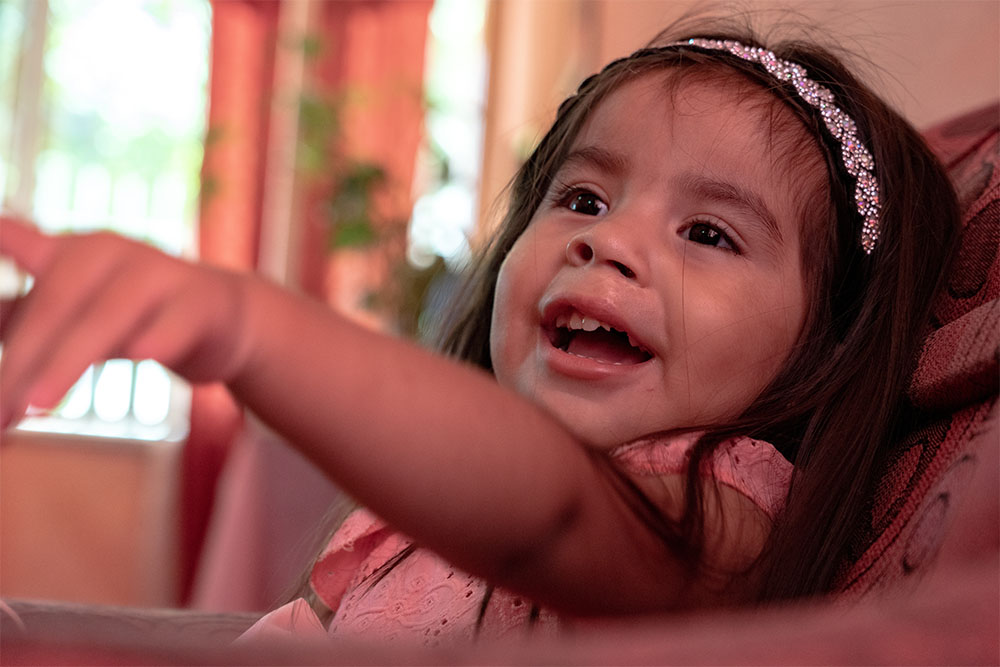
{"x":955,"y":385}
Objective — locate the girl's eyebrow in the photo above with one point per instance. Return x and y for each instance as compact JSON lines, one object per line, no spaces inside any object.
{"x":735,"y":195}
{"x":605,"y":160}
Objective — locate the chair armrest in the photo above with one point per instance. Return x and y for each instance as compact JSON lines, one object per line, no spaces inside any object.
{"x":44,"y":621}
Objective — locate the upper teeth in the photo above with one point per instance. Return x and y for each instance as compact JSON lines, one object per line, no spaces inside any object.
{"x":576,"y":321}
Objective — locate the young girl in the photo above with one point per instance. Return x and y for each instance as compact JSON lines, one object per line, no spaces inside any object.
{"x":718,"y":263}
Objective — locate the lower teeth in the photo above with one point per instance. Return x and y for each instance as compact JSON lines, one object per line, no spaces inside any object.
{"x":606,"y":363}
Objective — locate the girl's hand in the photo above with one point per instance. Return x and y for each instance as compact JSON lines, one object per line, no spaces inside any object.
{"x":101,"y":296}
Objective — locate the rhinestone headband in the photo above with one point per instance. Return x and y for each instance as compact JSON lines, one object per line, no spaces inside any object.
{"x":854,"y":156}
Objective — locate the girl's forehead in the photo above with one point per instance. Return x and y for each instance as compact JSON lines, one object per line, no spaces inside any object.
{"x":672,"y":95}
{"x":716,"y":121}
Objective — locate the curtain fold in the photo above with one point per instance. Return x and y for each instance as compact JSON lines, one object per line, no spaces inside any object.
{"x":363,"y":67}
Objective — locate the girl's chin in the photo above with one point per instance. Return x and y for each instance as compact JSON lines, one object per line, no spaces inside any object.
{"x":599,"y":412}
{"x":599,"y":427}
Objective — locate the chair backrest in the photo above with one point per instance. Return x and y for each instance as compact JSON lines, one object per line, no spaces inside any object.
{"x":955,"y":385}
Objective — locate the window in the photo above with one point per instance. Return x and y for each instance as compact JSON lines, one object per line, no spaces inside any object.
{"x":444,"y":217}
{"x":103,"y":107}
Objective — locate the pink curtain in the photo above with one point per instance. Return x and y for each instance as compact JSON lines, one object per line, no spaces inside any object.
{"x":373,"y":50}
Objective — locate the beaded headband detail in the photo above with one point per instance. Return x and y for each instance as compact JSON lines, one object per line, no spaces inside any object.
{"x":855,"y":157}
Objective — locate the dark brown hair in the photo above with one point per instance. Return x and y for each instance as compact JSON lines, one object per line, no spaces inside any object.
{"x":839,"y":401}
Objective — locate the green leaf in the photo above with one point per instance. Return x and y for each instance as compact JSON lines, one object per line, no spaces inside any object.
{"x":353,"y":234}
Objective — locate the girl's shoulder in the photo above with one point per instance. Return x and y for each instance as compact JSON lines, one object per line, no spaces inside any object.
{"x":754,"y":468}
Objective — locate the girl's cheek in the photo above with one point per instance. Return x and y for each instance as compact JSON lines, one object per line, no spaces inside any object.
{"x":500,"y":321}
{"x":514,"y":304}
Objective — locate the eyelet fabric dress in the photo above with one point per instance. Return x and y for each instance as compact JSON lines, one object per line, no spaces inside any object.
{"x":422,"y":599}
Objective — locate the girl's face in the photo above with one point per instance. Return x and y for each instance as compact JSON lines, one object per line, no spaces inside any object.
{"x":659,"y":285}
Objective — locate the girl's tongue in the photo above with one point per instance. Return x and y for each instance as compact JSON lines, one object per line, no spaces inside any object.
{"x":607,"y":347}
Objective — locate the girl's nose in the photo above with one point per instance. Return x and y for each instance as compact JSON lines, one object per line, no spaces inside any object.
{"x":591,"y":247}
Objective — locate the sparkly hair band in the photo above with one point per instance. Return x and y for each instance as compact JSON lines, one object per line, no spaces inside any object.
{"x":855,"y":157}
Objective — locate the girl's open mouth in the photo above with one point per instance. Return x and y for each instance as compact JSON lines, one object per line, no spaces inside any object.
{"x":590,"y":338}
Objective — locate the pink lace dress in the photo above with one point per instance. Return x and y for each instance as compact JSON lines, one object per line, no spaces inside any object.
{"x":424,"y":600}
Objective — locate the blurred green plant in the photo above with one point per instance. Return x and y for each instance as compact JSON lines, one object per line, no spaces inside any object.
{"x":350,"y":185}
{"x":349,"y":188}
{"x":351,"y":205}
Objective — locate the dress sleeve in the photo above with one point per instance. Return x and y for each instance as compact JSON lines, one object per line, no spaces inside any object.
{"x":335,"y":569}
{"x":752,"y":467}
{"x":295,"y":620}
{"x":340,"y":563}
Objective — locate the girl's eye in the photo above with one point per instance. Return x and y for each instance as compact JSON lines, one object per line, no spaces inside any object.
{"x":710,"y":235}
{"x":585,"y":203}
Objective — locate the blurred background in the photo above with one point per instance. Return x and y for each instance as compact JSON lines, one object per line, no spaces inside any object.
{"x":351,"y":150}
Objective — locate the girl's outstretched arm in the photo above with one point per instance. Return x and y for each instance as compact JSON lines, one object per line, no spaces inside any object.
{"x":465,"y":467}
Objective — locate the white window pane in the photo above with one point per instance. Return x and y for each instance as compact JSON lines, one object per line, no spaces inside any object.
{"x":445,"y":213}
{"x":152,"y":393}
{"x":167,"y":212}
{"x":53,"y":189}
{"x":78,"y":400}
{"x":91,"y":196}
{"x":113,"y":392}
{"x":129,"y":205}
